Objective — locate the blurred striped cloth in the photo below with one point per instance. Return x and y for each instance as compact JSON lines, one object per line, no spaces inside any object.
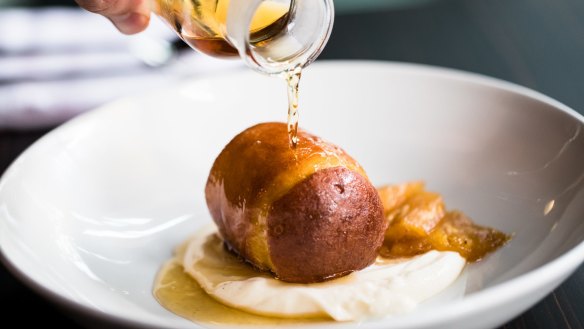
{"x":56,"y":63}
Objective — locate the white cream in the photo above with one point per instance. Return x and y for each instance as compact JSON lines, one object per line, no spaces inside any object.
{"x":384,"y":288}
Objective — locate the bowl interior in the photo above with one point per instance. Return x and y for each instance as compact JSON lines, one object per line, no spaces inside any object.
{"x":92,"y":210}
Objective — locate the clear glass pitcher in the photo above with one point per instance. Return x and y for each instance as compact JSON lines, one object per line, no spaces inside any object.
{"x":271,"y":36}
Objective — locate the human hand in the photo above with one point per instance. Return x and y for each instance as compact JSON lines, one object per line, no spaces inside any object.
{"x":129,"y":16}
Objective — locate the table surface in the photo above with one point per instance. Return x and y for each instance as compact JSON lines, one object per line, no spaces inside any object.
{"x":535,"y":43}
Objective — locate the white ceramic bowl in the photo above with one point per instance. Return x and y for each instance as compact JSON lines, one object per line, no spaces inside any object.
{"x":90,"y":212}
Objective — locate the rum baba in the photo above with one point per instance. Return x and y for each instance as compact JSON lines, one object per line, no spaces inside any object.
{"x":302,"y":235}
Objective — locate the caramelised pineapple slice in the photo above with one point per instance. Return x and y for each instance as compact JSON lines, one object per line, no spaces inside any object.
{"x":419,"y":222}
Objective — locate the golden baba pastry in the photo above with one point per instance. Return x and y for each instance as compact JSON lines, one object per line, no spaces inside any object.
{"x":306,"y":214}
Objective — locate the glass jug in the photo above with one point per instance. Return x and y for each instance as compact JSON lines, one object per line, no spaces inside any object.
{"x":271,"y":36}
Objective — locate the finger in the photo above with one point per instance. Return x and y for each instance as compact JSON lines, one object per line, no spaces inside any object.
{"x":131,"y":23}
{"x":129,"y":16}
